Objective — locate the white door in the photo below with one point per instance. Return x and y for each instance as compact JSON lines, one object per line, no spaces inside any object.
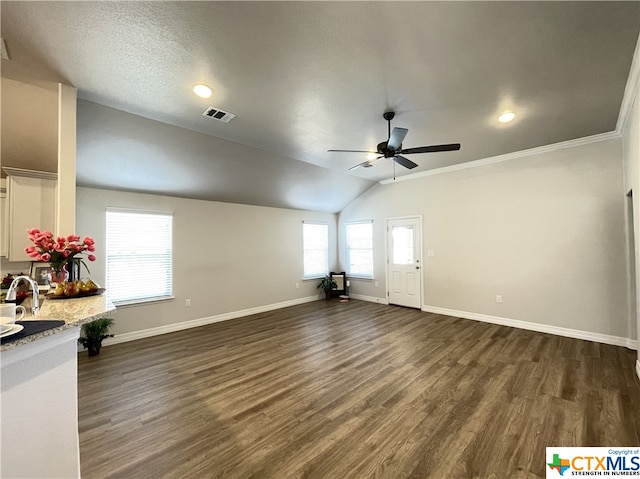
{"x":404,"y":261}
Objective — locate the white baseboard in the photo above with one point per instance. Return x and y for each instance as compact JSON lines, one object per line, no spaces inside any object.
{"x":371,"y":299}
{"x":541,"y":328}
{"x":194,"y":323}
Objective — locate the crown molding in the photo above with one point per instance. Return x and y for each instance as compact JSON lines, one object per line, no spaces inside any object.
{"x":630,"y":90}
{"x":509,"y":156}
{"x":43,"y":175}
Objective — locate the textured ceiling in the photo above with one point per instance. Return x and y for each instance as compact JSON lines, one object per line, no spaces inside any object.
{"x":305,"y":77}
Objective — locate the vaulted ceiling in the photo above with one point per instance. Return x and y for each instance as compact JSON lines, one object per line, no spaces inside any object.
{"x":305,"y":77}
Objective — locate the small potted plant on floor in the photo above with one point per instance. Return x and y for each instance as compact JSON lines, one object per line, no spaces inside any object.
{"x":327,"y":284}
{"x":93,"y":334}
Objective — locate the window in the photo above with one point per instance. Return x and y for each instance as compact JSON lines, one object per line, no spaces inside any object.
{"x":315,"y":239}
{"x":139,"y":256}
{"x":359,"y":242}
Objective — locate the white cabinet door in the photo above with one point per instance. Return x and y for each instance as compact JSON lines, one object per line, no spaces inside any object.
{"x":32,"y":204}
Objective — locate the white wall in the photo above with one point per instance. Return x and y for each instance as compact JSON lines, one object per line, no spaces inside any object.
{"x":631,"y":155}
{"x":545,"y":231}
{"x":67,"y":139}
{"x":227,"y":257}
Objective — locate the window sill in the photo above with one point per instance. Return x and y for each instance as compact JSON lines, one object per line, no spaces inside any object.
{"x":313,"y":278}
{"x":139,"y":302}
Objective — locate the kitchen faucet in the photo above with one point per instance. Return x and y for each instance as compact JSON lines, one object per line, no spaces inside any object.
{"x":11,"y":294}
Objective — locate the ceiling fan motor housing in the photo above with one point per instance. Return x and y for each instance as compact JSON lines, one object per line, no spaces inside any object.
{"x":383,"y":150}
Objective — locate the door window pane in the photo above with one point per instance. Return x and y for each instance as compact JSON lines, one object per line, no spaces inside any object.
{"x":402,"y":237}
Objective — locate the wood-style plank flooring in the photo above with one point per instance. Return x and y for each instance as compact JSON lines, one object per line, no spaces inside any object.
{"x":350,"y":390}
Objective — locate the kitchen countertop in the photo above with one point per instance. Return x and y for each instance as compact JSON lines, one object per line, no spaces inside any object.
{"x":74,"y":312}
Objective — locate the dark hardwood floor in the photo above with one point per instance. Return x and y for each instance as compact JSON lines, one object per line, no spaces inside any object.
{"x":350,"y":390}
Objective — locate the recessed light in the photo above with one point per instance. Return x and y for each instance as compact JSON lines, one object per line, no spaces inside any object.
{"x":202,"y":90}
{"x":506,"y":117}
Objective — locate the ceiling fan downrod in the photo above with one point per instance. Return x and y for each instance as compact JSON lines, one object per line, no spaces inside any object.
{"x":382,"y":147}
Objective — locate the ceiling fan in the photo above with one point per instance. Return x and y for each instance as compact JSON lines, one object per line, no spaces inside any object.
{"x":392,"y":148}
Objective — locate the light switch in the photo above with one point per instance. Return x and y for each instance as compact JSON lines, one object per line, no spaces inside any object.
{"x":431,"y":252}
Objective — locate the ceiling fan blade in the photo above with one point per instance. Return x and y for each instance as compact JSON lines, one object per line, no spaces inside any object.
{"x":353,"y":151}
{"x":366,"y":164}
{"x":406,"y":162}
{"x":395,"y":140}
{"x":431,"y":149}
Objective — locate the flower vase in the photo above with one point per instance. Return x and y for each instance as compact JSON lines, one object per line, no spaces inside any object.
{"x":73,"y":270}
{"x":58,"y":275}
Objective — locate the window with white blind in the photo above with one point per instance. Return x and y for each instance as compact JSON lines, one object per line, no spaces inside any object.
{"x":359,"y":245}
{"x":315,"y":239}
{"x":139,"y":256}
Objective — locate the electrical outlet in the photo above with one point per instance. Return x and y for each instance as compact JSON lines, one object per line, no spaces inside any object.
{"x":498,"y":298}
{"x":187,"y":303}
{"x":376,"y":284}
{"x":297,"y":285}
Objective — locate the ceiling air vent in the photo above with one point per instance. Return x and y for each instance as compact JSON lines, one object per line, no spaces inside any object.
{"x":219,"y":115}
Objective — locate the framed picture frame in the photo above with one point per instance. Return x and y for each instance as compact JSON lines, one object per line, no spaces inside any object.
{"x":40,"y":273}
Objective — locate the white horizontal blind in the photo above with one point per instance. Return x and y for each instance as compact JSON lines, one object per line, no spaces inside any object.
{"x":139,"y":256}
{"x":315,"y":238}
{"x":359,"y":243}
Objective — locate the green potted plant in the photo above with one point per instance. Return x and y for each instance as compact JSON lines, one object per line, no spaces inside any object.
{"x":327,"y":284}
{"x":93,"y":334}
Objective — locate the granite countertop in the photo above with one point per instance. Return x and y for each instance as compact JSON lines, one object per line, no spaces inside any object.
{"x":74,"y":312}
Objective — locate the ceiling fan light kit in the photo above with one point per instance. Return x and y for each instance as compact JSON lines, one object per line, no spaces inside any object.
{"x":392,"y":148}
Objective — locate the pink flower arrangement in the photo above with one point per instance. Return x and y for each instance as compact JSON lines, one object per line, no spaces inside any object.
{"x":59,"y":251}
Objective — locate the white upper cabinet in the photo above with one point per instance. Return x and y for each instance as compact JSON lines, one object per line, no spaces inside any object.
{"x":30,"y":203}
